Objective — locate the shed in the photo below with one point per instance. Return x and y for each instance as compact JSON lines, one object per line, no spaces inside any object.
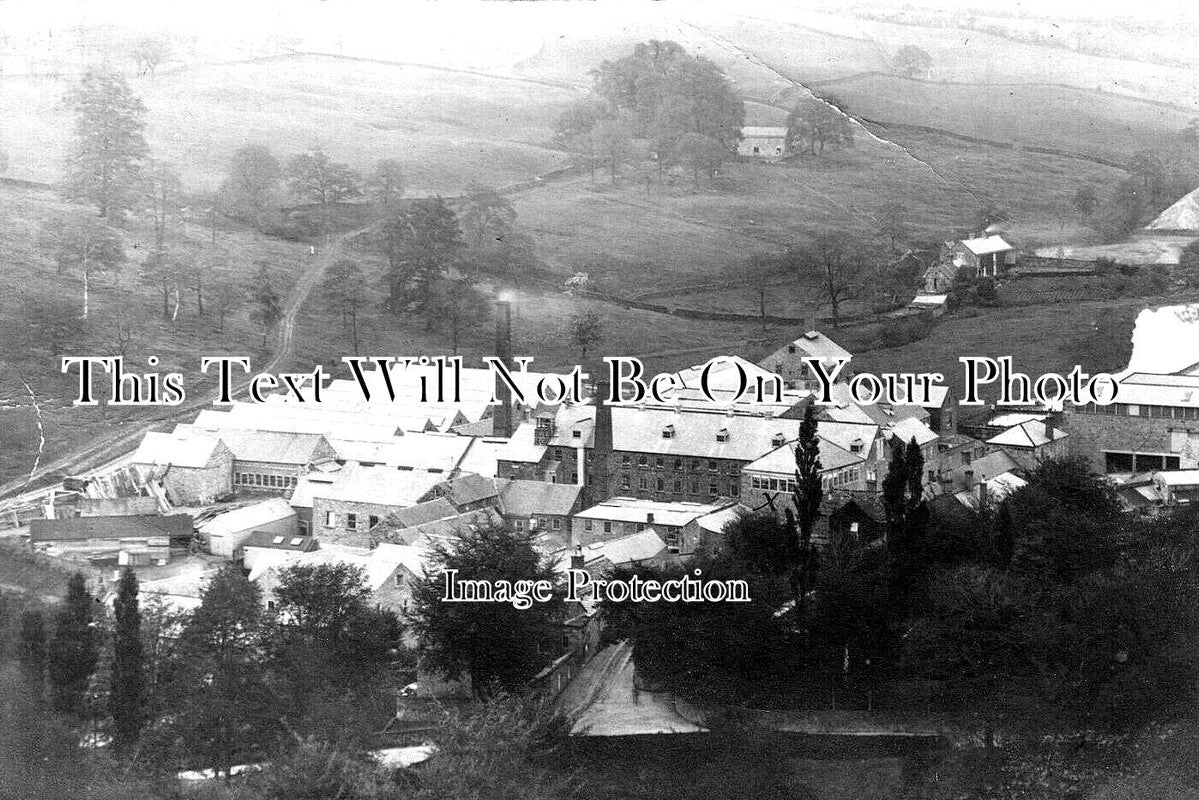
{"x":225,"y":534}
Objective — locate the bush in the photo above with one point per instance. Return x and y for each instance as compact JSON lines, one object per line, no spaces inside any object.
{"x":905,"y":330}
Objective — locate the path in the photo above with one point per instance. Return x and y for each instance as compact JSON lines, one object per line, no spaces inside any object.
{"x":99,"y":451}
{"x":604,"y":700}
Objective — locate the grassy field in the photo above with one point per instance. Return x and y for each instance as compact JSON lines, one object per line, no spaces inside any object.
{"x":629,"y":238}
{"x":30,"y":275}
{"x":447,"y":128}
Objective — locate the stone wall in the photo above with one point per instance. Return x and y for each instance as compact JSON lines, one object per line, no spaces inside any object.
{"x":1092,"y":434}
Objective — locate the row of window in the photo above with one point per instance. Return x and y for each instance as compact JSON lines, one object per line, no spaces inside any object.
{"x":660,"y":485}
{"x":1135,"y":410}
{"x":842,"y":478}
{"x":272,"y":481}
{"x":1139,"y":462}
{"x":660,"y":462}
{"x":352,"y":520}
{"x":555,"y":524}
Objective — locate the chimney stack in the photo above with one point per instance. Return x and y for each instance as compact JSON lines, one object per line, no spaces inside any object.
{"x":649,"y":518}
{"x":599,"y":485}
{"x":502,"y":418}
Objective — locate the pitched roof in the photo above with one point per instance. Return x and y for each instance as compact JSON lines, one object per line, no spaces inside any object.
{"x":440,"y":530}
{"x":1033,"y":433}
{"x":782,"y":460}
{"x":181,"y":449}
{"x":381,"y":485}
{"x":698,"y":434}
{"x":911,"y":428}
{"x":275,"y":541}
{"x":1179,"y":391}
{"x":419,"y":514}
{"x":627,"y":549}
{"x":527,"y":498}
{"x":985,"y":245}
{"x":812,"y":344}
{"x":631,"y":509}
{"x":468,"y":489}
{"x":766,"y":131}
{"x":274,"y":447}
{"x":73,"y":529}
{"x":247,"y":517}
{"x":1183,"y":215}
{"x":997,"y":488}
{"x":416,"y":450}
{"x":116,"y":506}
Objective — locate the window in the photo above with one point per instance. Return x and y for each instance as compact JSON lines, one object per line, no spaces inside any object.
{"x":713,"y":466}
{"x":352,"y":521}
{"x":607,"y":526}
{"x":678,"y":463}
{"x":557,"y":453}
{"x":330,"y":519}
{"x":722,"y":435}
{"x":713,"y":489}
{"x":625,"y":483}
{"x":643,"y":460}
{"x":303,"y":528}
{"x":660,"y":463}
{"x":519,"y":524}
{"x":576,"y":434}
{"x":586,"y":524}
{"x":734,"y":489}
{"x":557,"y":524}
{"x":790,"y":349}
{"x":678,"y":486}
{"x":668,"y":432}
{"x":661,"y":484}
{"x":640,"y":527}
{"x":625,"y":460}
{"x":372,"y":520}
{"x":399,"y":579}
{"x":643,"y":483}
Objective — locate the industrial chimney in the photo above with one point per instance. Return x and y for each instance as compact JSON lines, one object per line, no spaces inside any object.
{"x":502,"y":418}
{"x":598,"y":487}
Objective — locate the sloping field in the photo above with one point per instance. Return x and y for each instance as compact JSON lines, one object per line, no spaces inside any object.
{"x":680,"y":236}
{"x":447,"y":128}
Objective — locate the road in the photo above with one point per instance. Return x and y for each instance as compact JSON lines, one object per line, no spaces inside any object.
{"x":102,"y":449}
{"x":603,"y":700}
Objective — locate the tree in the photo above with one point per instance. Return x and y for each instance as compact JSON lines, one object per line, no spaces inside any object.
{"x":893,"y":223}
{"x":327,"y":634}
{"x":127,"y":700}
{"x":268,"y":308}
{"x":497,"y":644}
{"x":809,"y":492}
{"x":165,"y":273}
{"x":1148,"y":173}
{"x":485,"y":215}
{"x":345,"y":293}
{"x":913,"y":62}
{"x":124,"y":334}
{"x":225,"y":297}
{"x":1085,"y":200}
{"x":817,"y":123}
{"x":251,"y":182}
{"x":81,"y":243}
{"x":663,"y":88}
{"x":579,"y":118}
{"x":611,"y":144}
{"x":105,"y":163}
{"x":761,"y":271}
{"x":73,"y":652}
{"x":457,"y":306}
{"x":763,"y":543}
{"x":419,"y":241}
{"x":585,"y":329}
{"x":314,"y":177}
{"x":838,"y":265}
{"x":699,"y":153}
{"x":162,"y":187}
{"x":1124,"y":211}
{"x":385,"y":185}
{"x":148,"y":52}
{"x":32,"y":653}
{"x":1188,"y":264}
{"x":907,"y":519}
{"x":224,"y":710}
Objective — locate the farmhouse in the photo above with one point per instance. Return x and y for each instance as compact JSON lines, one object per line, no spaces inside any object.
{"x":763,"y":142}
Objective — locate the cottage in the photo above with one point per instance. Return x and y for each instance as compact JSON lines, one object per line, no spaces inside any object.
{"x":191,"y":468}
{"x":132,"y":540}
{"x":540,"y":506}
{"x":788,"y":361}
{"x":763,"y":142}
{"x":224,"y":535}
{"x":1029,"y":443}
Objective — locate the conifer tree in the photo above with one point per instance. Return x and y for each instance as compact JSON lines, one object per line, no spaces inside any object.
{"x":808,"y":494}
{"x":72,"y":654}
{"x":127,"y":698}
{"x":106,"y":162}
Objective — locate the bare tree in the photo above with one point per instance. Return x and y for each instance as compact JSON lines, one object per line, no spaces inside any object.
{"x":585,"y":329}
{"x":124,"y":335}
{"x":839,"y":265}
{"x":83,"y":244}
{"x":149,"y":52}
{"x":225,"y":297}
{"x":345,"y":292}
{"x":385,"y":186}
{"x":163,"y":188}
{"x":313,"y":176}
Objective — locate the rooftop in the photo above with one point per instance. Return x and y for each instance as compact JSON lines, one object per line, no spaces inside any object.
{"x":1034,"y":433}
{"x":812,"y":344}
{"x":180,"y":449}
{"x":763,"y":131}
{"x":247,"y":517}
{"x":631,"y":509}
{"x":275,"y":541}
{"x":527,"y":498}
{"x":985,"y":245}
{"x":120,"y":527}
{"x":381,"y":485}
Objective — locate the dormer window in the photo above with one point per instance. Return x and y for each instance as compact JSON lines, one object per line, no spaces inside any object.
{"x":668,"y":432}
{"x":790,"y":348}
{"x":722,"y":435}
{"x":778,"y":441}
{"x":856,"y":446}
{"x":576,"y":434}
